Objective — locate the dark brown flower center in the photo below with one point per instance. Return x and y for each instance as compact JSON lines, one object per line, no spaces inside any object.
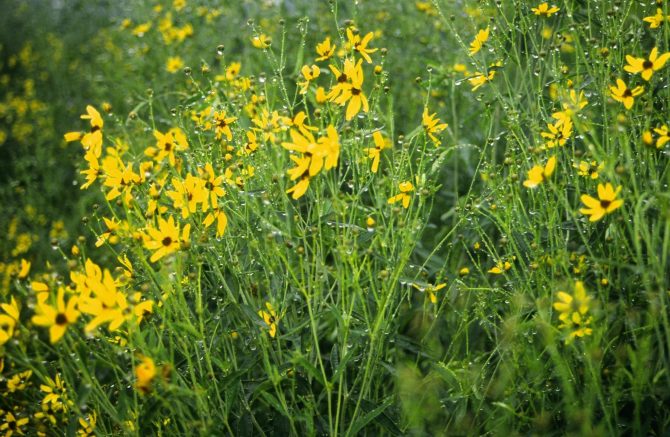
{"x":61,"y":319}
{"x":628,"y":93}
{"x":167,"y":241}
{"x":605,"y":203}
{"x":647,"y":65}
{"x":168,"y":147}
{"x":342,"y":78}
{"x":355,"y":92}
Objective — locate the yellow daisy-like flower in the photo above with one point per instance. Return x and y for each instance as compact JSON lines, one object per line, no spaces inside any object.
{"x":430,"y":290}
{"x":664,"y":136}
{"x":57,"y":318}
{"x":404,"y":196}
{"x":621,"y":93}
{"x":481,"y":37}
{"x":544,"y":9}
{"x":539,"y":174}
{"x":145,"y":372}
{"x":325,"y":50}
{"x":573,"y":311}
{"x":646,"y":67}
{"x":657,"y":19}
{"x":270,"y":318}
{"x":374,"y":153}
{"x":432,"y":125}
{"x":605,"y":204}
{"x":174,"y":64}
{"x":261,"y":41}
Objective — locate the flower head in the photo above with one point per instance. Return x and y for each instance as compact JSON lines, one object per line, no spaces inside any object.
{"x":539,"y":174}
{"x":605,"y":204}
{"x":477,"y":43}
{"x":621,"y":93}
{"x":573,"y":311}
{"x":646,"y":66}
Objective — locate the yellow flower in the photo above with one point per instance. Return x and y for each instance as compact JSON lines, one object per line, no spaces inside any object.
{"x":405,"y":188}
{"x":374,"y":153}
{"x":222,"y":125}
{"x":145,"y":372}
{"x":430,"y":290}
{"x":174,"y":64}
{"x":605,"y":204}
{"x":559,"y":133}
{"x":8,"y":320}
{"x":309,"y":73}
{"x":92,"y":140}
{"x":571,"y":106}
{"x":621,"y":93}
{"x":539,"y":174}
{"x":590,"y":169}
{"x":664,"y":136}
{"x":646,"y":66}
{"x":325,"y":50}
{"x":481,"y":37}
{"x":573,"y":311}
{"x":13,"y":425}
{"x":164,"y":240}
{"x":656,"y":20}
{"x":361,"y":45}
{"x":25,"y":269}
{"x":270,"y":318}
{"x":350,"y":90}
{"x":261,"y":41}
{"x":431,"y":124}
{"x":480,"y":79}
{"x":57,"y":318}
{"x":544,"y":9}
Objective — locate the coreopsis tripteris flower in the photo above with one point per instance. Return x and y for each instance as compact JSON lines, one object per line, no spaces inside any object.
{"x":325,"y":50}
{"x":174,"y":140}
{"x":233,"y":70}
{"x":621,"y":93}
{"x":145,"y":372}
{"x":405,"y":188}
{"x":270,"y":317}
{"x":559,"y":133}
{"x":57,"y":318}
{"x":545,"y":9}
{"x":269,"y":125}
{"x":663,"y":136}
{"x":430,"y":290}
{"x":571,"y":106}
{"x":213,"y":187}
{"x":11,"y":424}
{"x":91,"y":140}
{"x":539,"y":174}
{"x":481,"y":38}
{"x":301,"y":172}
{"x":56,"y":394}
{"x":573,"y":311}
{"x":374,"y":153}
{"x":657,"y":19}
{"x":360,"y":45}
{"x":298,"y":122}
{"x":187,"y":194}
{"x":222,"y":125}
{"x":261,"y":41}
{"x":25,"y":269}
{"x":119,"y":177}
{"x":87,"y":425}
{"x":110,"y":234}
{"x":589,"y":169}
{"x":605,"y":204}
{"x":646,"y":67}
{"x":352,"y":91}
{"x":174,"y":64}
{"x":218,"y":215}
{"x":164,"y":239}
{"x":309,"y":74}
{"x":93,"y":170}
{"x":479,"y":79}
{"x":8,"y":320}
{"x":432,"y":125}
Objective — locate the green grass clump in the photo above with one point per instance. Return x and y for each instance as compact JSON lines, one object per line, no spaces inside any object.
{"x":338,"y":218}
